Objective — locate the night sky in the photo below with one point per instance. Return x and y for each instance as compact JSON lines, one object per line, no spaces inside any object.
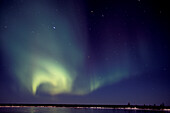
{"x":85,"y":51}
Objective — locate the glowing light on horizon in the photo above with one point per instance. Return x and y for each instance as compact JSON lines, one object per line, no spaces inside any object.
{"x":55,"y":78}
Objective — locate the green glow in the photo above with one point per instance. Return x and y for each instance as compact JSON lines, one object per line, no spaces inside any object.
{"x":55,"y":75}
{"x":54,"y":61}
{"x":109,"y":79}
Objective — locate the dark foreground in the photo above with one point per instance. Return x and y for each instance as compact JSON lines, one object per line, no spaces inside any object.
{"x":125,"y":107}
{"x":52,"y":109}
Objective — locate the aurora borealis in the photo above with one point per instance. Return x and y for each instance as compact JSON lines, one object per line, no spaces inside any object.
{"x":78,"y":51}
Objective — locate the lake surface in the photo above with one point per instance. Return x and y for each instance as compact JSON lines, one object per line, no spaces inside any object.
{"x":70,"y":110}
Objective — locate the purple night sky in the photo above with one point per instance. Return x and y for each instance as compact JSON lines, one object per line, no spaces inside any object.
{"x":85,"y":51}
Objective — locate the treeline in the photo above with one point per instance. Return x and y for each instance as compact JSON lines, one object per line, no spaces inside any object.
{"x":154,"y":106}
{"x":159,"y":107}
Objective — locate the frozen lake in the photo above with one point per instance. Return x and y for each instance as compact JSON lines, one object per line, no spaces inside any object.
{"x":70,"y":110}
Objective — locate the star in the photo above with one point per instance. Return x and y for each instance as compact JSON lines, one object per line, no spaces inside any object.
{"x":54,"y":27}
{"x":160,"y":11}
{"x":5,"y":27}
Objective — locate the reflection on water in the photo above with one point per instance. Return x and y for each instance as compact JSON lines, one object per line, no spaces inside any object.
{"x":69,"y":110}
{"x":49,"y":110}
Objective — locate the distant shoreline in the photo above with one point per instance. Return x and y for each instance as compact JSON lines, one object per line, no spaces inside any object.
{"x":93,"y":106}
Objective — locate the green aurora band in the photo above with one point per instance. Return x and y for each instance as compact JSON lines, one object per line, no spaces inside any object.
{"x":49,"y":54}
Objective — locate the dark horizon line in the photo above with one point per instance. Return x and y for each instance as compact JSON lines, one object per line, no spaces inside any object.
{"x":90,"y":105}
